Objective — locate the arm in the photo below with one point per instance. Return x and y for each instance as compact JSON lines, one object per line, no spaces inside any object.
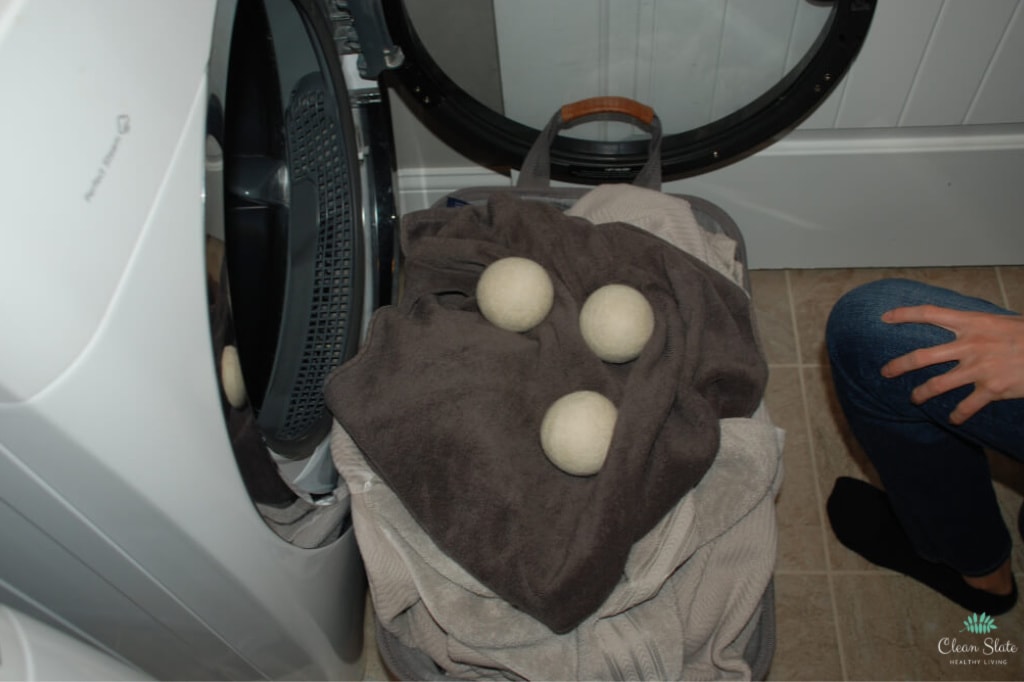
{"x":988,"y":350}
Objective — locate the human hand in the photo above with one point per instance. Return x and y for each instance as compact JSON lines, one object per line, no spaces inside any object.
{"x":988,"y":350}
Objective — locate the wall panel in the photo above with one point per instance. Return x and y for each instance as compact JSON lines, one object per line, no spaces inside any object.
{"x":1000,"y":98}
{"x":958,"y":55}
{"x":881,"y":78}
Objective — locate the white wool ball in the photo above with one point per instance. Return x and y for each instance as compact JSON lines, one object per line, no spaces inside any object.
{"x":515,"y":293}
{"x":231,"y":377}
{"x":616,"y":322}
{"x":577,"y":431}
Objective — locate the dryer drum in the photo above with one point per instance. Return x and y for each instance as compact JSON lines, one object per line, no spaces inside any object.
{"x":294,"y":251}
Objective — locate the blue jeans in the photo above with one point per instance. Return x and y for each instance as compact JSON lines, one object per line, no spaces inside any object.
{"x":936,"y":474}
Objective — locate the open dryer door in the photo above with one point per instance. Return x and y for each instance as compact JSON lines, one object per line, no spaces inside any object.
{"x":726,"y":77}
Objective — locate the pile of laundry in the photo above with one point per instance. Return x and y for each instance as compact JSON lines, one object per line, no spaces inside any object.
{"x":480,"y":552}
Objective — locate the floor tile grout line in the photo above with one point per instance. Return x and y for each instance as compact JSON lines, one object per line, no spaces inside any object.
{"x":815,"y":476}
{"x":1002,"y":287}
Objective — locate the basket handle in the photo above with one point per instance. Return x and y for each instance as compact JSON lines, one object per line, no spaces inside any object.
{"x":536,"y":170}
{"x":607,"y":104}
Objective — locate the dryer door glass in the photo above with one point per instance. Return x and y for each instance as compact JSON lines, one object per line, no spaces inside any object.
{"x":726,"y":77}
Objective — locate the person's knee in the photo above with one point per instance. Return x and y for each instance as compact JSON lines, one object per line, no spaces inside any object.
{"x":857,"y":340}
{"x":856,"y":317}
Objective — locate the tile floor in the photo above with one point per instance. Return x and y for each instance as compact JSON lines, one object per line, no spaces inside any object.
{"x":838,"y":617}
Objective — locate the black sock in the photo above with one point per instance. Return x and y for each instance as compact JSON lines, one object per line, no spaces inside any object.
{"x":863,"y":520}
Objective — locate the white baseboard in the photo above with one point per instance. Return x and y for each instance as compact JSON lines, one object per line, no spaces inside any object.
{"x":419,"y":188}
{"x":867,"y":198}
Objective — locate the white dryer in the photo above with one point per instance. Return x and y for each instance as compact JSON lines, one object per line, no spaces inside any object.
{"x":198,"y":221}
{"x":128,"y":514}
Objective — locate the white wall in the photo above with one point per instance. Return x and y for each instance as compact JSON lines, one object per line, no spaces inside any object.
{"x":915,"y":159}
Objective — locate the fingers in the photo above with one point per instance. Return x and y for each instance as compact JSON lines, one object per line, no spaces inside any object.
{"x":939,"y":384}
{"x":923,"y":357}
{"x":929,"y":314}
{"x":945,"y":318}
{"x":953,"y":379}
{"x":969,"y":406}
{"x":987,"y":354}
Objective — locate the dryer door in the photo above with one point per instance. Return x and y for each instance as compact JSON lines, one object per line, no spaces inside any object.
{"x":726,"y":77}
{"x":284,"y":139}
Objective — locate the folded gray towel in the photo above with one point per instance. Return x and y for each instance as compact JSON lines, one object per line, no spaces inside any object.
{"x":447,"y":408}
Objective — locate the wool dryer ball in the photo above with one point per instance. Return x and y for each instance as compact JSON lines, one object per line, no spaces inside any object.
{"x":576,"y":432}
{"x":231,"y":377}
{"x":616,"y":322}
{"x":515,"y":293}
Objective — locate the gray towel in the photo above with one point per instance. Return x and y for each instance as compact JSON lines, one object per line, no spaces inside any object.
{"x":447,"y":408}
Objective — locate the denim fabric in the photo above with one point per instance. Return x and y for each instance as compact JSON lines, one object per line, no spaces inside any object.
{"x":935,"y":473}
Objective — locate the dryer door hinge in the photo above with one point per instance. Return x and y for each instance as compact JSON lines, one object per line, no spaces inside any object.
{"x":359,"y":28}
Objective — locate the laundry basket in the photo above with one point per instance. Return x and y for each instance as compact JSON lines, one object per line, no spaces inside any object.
{"x":696,"y":597}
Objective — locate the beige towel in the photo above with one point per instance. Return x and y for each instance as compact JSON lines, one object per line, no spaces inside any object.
{"x":664,"y":215}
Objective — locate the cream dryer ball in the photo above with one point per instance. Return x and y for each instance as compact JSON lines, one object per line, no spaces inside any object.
{"x":576,"y":432}
{"x":515,"y":293}
{"x":616,"y":322}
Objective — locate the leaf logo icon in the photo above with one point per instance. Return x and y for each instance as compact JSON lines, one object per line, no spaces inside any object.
{"x":979,"y":625}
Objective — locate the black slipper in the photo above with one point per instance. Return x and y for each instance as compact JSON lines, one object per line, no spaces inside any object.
{"x":863,"y":520}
